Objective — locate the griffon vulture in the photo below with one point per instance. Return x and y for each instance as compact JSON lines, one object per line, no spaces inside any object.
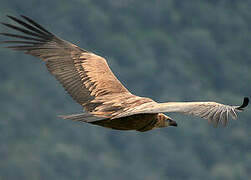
{"x":90,"y":82}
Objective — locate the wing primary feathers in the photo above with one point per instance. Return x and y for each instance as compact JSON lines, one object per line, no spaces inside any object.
{"x":36,"y":24}
{"x":244,"y":104}
{"x":23,"y":30}
{"x":223,"y":118}
{"x":216,"y":117}
{"x":233,"y":113}
{"x":21,"y":42}
{"x":24,"y":48}
{"x":21,"y":37}
{"x":35,"y":35}
{"x":27,"y":25}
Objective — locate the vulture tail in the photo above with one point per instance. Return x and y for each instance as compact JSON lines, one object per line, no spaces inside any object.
{"x":84,"y":117}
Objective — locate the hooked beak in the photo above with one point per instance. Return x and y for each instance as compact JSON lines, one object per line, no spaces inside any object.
{"x":173,"y":123}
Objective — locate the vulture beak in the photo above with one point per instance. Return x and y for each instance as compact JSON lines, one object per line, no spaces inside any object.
{"x":173,"y":123}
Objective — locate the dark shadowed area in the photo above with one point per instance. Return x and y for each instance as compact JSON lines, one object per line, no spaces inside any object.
{"x":167,"y":50}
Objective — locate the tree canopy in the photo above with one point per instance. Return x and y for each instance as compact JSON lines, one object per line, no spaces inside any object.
{"x":167,"y":50}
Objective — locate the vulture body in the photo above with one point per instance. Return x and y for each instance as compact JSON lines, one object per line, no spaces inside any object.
{"x":90,"y":82}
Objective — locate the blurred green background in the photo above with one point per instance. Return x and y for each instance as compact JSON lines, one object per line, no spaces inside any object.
{"x":167,"y":50}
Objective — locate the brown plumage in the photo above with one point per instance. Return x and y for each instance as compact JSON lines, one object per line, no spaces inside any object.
{"x":90,"y":82}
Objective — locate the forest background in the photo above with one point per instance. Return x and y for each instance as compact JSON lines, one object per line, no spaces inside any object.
{"x":168,"y":50}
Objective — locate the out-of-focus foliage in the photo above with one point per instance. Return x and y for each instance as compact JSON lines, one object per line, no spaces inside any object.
{"x":168,"y":50}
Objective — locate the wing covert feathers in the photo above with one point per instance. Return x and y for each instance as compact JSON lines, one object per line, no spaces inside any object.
{"x":212,"y":111}
{"x":84,"y":75}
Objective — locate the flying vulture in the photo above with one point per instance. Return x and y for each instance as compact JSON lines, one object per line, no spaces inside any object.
{"x":90,"y":82}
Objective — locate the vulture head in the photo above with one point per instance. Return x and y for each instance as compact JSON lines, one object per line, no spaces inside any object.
{"x":164,"y":121}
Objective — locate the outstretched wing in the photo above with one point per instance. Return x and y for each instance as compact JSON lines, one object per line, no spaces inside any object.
{"x":83,"y":74}
{"x":212,"y":111}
